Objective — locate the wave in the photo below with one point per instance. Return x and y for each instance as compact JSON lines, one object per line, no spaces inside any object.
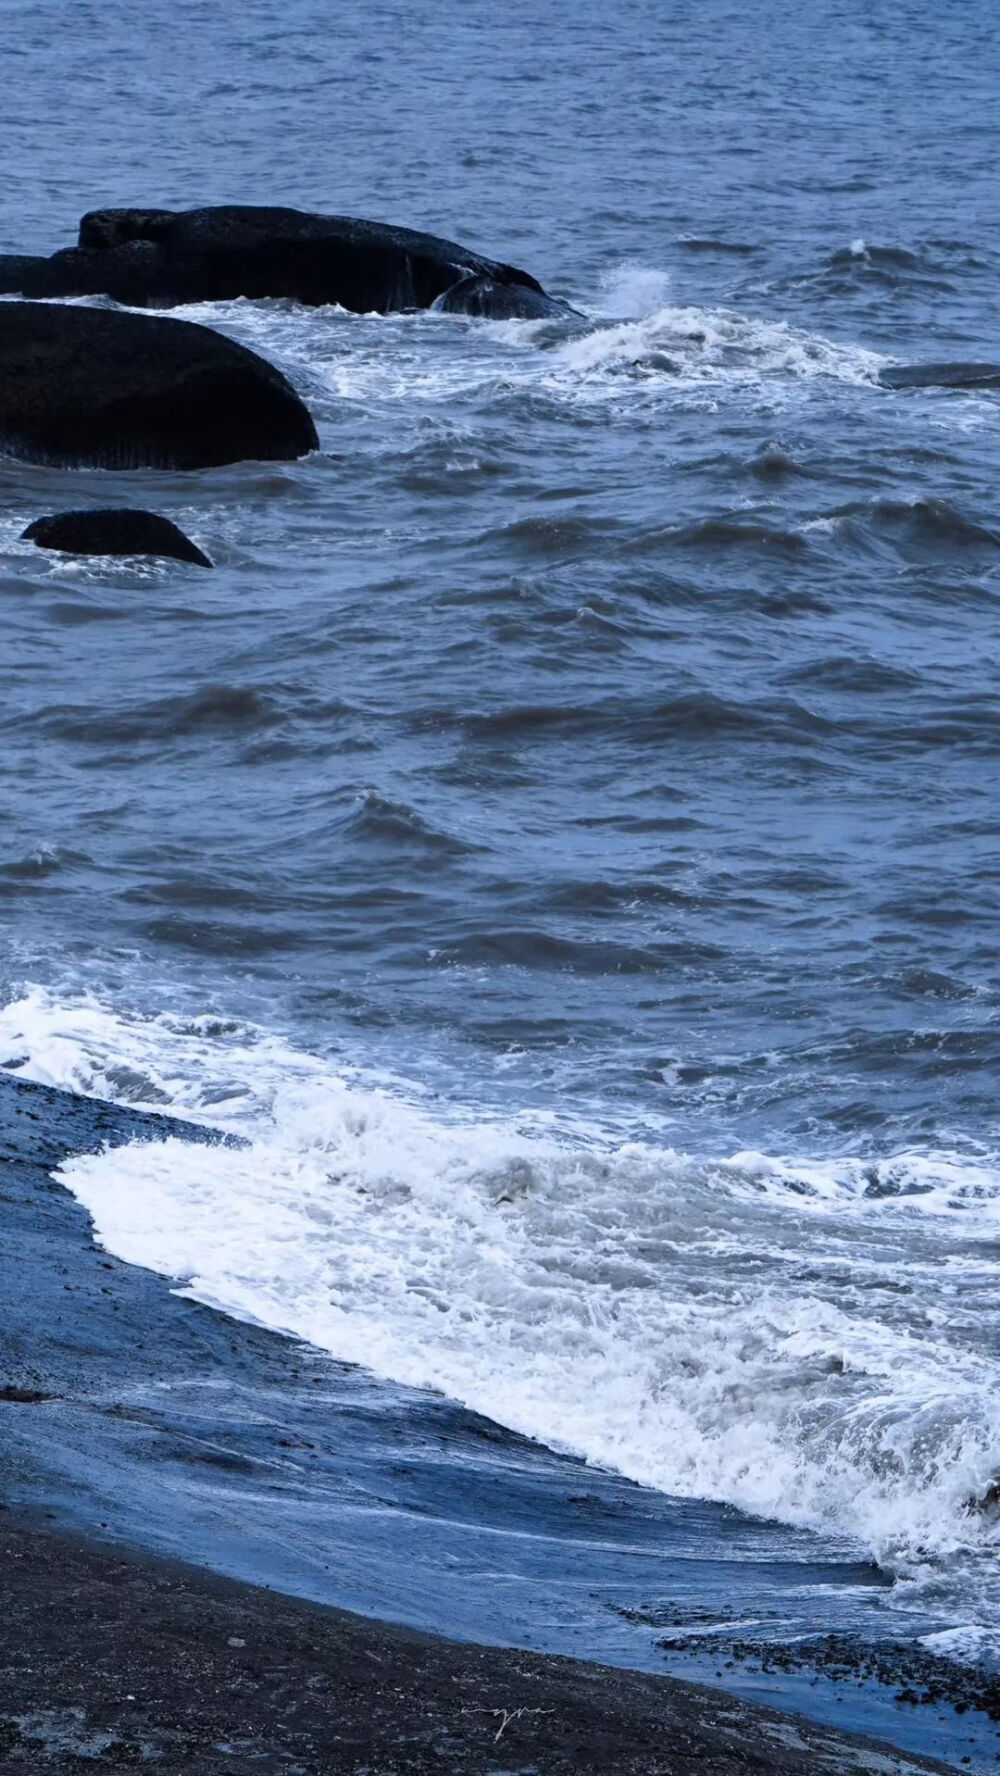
{"x":741,"y":532}
{"x":378,"y":820}
{"x":708,"y":345}
{"x":806,"y":1339}
{"x":772,"y":463}
{"x":694,"y":715}
{"x":533,"y":947}
{"x":919,"y":525}
{"x":870,"y":253}
{"x":853,"y":673}
{"x":634,"y":334}
{"x":220,"y":706}
{"x":696,"y":243}
{"x":40,"y":863}
{"x":886,"y":266}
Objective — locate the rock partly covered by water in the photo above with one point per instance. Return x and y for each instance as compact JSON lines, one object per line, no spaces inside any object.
{"x":115,"y":530}
{"x":957,"y":376}
{"x":88,"y":387}
{"x":496,"y":301}
{"x":159,"y":258}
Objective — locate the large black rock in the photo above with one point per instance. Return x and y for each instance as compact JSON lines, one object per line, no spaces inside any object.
{"x":114,"y":530}
{"x":160,"y":258}
{"x":92,"y":387}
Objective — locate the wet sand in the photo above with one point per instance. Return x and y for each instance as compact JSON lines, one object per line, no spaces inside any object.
{"x":116,"y":1659}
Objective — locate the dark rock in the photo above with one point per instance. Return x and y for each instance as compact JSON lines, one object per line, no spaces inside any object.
{"x":957,"y":376}
{"x":115,"y":228}
{"x":18,"y":271}
{"x":165,"y":257}
{"x":909,"y":1670}
{"x":493,"y":301}
{"x":92,"y":387}
{"x":132,"y":273}
{"x":114,"y":531}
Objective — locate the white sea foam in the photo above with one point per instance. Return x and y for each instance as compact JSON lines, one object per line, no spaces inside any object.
{"x":635,"y":336}
{"x":712,"y":346}
{"x":965,"y":1645}
{"x":808,"y":1340}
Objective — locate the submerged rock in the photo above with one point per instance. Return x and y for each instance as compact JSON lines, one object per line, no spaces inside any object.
{"x":493,"y":301}
{"x":164,"y":257}
{"x":115,"y":530}
{"x":89,"y":387}
{"x":958,"y":376}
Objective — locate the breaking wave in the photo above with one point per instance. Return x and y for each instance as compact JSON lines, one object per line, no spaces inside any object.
{"x":632,"y":333}
{"x":806,"y":1339}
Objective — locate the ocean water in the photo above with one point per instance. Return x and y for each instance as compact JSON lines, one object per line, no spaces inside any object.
{"x":562,"y":833}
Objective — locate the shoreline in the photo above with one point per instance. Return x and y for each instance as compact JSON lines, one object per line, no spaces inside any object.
{"x":117,"y":1658}
{"x":139,"y":1427}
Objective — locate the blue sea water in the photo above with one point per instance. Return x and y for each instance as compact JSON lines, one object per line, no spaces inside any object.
{"x":563,"y":829}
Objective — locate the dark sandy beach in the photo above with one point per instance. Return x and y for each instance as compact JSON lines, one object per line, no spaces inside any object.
{"x":112,"y":1654}
{"x":117,"y":1659}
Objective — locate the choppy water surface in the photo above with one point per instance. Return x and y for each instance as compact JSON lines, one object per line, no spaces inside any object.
{"x":562,"y":832}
